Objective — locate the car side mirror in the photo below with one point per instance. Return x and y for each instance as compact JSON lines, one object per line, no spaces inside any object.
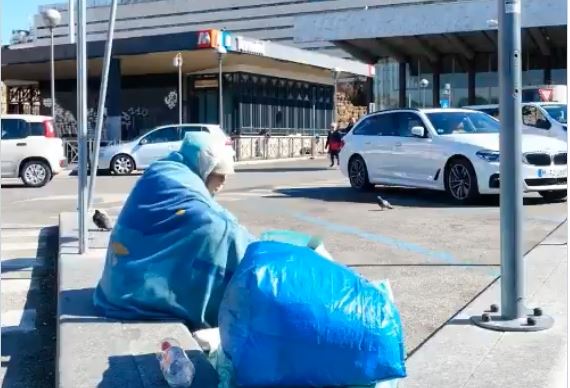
{"x":543,"y":124}
{"x":143,"y":141}
{"x":419,"y":131}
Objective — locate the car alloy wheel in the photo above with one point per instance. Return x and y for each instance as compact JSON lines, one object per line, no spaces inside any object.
{"x":358,"y":174}
{"x":35,"y":174}
{"x":123,"y":165}
{"x":460,"y":182}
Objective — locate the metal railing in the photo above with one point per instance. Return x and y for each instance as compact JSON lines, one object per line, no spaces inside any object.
{"x":246,"y":147}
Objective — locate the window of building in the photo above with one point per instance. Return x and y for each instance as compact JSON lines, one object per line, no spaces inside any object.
{"x":418,"y":96}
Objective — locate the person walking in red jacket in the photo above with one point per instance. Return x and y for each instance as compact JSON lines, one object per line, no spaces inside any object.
{"x":334,"y":143}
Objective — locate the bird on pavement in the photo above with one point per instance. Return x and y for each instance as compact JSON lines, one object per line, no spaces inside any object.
{"x":102,"y":220}
{"x":383,"y":203}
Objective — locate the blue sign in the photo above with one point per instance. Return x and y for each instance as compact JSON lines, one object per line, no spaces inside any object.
{"x":444,"y":103}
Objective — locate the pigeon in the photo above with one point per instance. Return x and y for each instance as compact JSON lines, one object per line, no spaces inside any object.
{"x":102,"y":220}
{"x":383,"y":203}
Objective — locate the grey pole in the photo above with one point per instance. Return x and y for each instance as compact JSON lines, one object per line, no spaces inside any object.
{"x":220,"y":90}
{"x":514,"y":315}
{"x":52,"y":17}
{"x":102,"y":98}
{"x":52,"y":65}
{"x":336,"y":72}
{"x":512,"y":286}
{"x":82,"y":123}
{"x":71,"y":18}
{"x":180,"y":94}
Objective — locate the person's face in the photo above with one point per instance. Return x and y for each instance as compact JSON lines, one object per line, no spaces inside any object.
{"x":215,"y":183}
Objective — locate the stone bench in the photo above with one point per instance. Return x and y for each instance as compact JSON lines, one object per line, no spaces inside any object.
{"x":93,"y":351}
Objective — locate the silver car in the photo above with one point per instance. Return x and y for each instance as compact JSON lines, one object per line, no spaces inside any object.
{"x":138,"y":154}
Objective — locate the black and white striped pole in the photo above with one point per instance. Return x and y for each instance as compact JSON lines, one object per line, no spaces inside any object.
{"x":513,"y":314}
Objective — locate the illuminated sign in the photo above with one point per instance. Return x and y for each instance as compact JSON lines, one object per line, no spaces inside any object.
{"x":207,"y":39}
{"x":250,"y":46}
{"x":214,"y":39}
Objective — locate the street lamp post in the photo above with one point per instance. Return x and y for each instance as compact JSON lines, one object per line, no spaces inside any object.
{"x":424,"y":83}
{"x":178,"y":62}
{"x":336,"y":73}
{"x":52,"y":17}
{"x":221,"y":52}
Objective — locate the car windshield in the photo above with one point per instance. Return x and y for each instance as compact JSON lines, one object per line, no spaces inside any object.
{"x":450,"y":123}
{"x":557,"y":112}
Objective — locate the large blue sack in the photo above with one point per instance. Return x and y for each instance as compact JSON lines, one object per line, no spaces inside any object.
{"x":290,"y":317}
{"x":173,"y":248}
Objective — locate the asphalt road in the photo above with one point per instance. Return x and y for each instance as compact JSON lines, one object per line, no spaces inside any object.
{"x":437,"y":255}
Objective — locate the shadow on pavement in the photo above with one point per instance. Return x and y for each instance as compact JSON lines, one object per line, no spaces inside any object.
{"x":105,"y":173}
{"x":125,"y":371}
{"x":16,"y":186}
{"x":30,"y":346}
{"x":281,"y":169}
{"x":397,"y":196}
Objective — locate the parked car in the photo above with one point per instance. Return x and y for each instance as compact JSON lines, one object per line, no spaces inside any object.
{"x":453,"y":150}
{"x":138,"y":154}
{"x":539,"y":118}
{"x":31,"y":149}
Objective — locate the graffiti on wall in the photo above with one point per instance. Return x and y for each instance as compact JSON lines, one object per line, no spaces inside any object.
{"x":24,"y":100}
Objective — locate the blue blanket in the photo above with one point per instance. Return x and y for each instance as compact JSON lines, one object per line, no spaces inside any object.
{"x":173,"y":249}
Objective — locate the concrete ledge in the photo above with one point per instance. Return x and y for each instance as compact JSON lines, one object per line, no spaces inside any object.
{"x":463,"y":355}
{"x":93,"y":351}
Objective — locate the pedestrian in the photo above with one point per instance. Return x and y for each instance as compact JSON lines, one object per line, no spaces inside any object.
{"x":174,"y":249}
{"x":334,"y":143}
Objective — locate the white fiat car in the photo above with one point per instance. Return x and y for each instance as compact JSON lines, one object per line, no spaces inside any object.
{"x":455,"y":150}
{"x":30,"y":149}
{"x":138,"y":154}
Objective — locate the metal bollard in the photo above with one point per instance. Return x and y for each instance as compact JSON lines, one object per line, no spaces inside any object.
{"x":313,"y":147}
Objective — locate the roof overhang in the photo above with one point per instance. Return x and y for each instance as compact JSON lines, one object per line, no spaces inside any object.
{"x":434,"y":29}
{"x":155,"y":53}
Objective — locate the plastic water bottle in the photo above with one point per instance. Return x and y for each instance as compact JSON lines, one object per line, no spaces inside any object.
{"x":176,"y":367}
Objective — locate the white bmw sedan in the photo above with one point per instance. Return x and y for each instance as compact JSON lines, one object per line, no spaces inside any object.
{"x":453,"y":150}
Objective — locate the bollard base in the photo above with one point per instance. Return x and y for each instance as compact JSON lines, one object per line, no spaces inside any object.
{"x":533,"y":321}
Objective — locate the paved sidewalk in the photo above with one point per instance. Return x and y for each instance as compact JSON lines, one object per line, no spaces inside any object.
{"x":72,"y":170}
{"x":463,"y":355}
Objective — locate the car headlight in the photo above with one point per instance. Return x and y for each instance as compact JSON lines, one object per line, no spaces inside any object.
{"x":489,"y":156}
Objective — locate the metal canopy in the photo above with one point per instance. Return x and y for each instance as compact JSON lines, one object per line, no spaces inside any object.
{"x":431,"y":30}
{"x":544,"y":41}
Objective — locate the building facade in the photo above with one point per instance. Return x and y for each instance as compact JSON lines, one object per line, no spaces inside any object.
{"x":262,"y":19}
{"x":443,"y":53}
{"x":266,"y":87}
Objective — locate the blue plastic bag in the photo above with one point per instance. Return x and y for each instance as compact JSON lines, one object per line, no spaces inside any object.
{"x":290,"y":317}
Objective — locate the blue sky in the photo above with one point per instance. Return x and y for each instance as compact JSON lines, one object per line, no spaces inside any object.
{"x":17,"y":14}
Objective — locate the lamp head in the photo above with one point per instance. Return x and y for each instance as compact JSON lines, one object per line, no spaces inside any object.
{"x":52,"y":17}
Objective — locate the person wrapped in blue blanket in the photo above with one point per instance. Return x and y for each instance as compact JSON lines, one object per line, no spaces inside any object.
{"x":174,"y":249}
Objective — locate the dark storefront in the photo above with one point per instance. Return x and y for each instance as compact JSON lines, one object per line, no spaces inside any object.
{"x":256,"y":103}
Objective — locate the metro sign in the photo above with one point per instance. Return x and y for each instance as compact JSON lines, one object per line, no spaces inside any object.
{"x":205,"y":39}
{"x":545,"y":94}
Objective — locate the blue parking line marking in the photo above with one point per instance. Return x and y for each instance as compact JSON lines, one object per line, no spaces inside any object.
{"x":439,"y":256}
{"x":384,"y":240}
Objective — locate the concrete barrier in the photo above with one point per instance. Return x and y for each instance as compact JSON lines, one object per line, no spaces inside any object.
{"x":93,"y":351}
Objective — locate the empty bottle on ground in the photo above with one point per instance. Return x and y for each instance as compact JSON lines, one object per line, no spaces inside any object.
{"x":176,"y":367}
